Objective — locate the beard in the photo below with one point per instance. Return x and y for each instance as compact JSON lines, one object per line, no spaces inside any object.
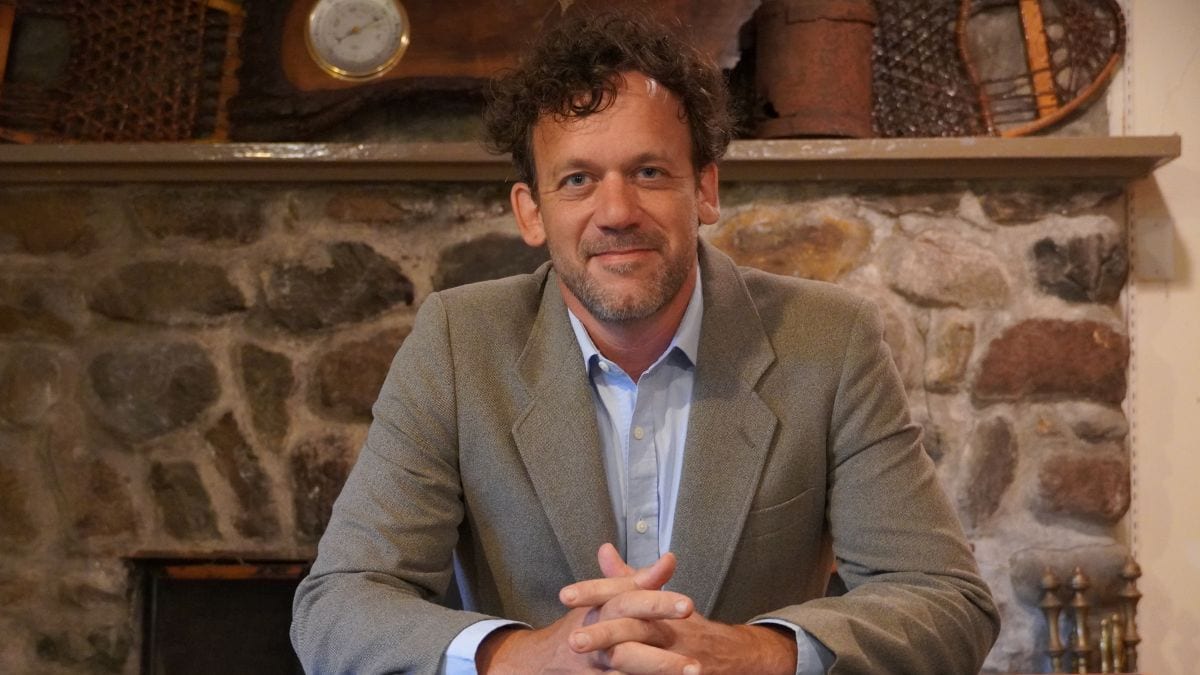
{"x":612,"y":305}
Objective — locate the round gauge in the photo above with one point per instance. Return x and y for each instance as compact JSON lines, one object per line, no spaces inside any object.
{"x":357,"y":39}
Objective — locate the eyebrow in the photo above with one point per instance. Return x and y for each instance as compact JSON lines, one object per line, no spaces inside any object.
{"x":578,"y":163}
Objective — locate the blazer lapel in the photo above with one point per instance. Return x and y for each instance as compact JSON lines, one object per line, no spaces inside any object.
{"x":558,"y":440}
{"x":729,"y":433}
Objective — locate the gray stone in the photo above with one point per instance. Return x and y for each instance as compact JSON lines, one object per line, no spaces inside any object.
{"x":168,"y":292}
{"x":801,"y":241}
{"x":216,"y":215}
{"x":492,"y":256}
{"x":939,"y":269}
{"x":342,"y":283}
{"x":319,"y":468}
{"x":17,"y":528}
{"x":348,"y":378}
{"x":183,"y":503}
{"x":411,"y":206}
{"x":45,"y":221}
{"x":1020,"y":204}
{"x":31,"y":382}
{"x":950,"y":345}
{"x":1090,"y":487}
{"x":1084,"y":269}
{"x":1101,"y":563}
{"x":238,"y":464}
{"x":146,"y":390}
{"x":990,"y":468}
{"x":268,"y":382}
{"x":1048,"y":358}
{"x":1095,"y":423}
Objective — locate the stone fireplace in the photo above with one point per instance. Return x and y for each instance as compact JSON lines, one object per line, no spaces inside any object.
{"x":187,"y":370}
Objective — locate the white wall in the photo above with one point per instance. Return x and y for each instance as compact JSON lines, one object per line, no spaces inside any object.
{"x":1163,"y":80}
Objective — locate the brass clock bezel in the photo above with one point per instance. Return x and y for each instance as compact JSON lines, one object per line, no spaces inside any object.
{"x":376,"y":72}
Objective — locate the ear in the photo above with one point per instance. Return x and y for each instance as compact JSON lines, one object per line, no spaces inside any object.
{"x":528,"y":214}
{"x":708,"y":201}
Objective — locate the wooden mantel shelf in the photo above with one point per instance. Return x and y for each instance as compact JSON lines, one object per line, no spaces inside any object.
{"x":1117,"y":157}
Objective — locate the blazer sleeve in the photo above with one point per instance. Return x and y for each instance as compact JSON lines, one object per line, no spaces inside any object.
{"x":367,"y":605}
{"x":916,"y":602}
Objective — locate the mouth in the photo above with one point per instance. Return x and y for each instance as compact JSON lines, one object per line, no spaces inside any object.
{"x":624,"y":255}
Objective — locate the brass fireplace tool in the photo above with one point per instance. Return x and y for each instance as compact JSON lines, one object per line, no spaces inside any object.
{"x":1118,"y":639}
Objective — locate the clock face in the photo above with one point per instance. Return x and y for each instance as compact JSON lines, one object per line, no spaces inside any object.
{"x":357,"y":39}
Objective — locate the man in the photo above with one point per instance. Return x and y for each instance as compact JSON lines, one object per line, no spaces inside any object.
{"x":639,"y":458}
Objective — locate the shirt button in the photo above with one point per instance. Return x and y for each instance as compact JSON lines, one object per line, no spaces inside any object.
{"x":639,"y":433}
{"x":641,"y":527}
{"x":604,"y":366}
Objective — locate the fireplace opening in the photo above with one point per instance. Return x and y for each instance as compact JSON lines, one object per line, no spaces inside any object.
{"x":218,"y":616}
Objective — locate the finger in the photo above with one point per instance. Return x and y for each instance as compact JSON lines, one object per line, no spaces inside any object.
{"x":647,"y":605}
{"x":611,"y":563}
{"x":657,"y":575}
{"x":596,"y":592}
{"x":635,"y":658}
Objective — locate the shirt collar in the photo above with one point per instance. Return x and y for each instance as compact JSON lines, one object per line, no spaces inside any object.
{"x":686,"y":340}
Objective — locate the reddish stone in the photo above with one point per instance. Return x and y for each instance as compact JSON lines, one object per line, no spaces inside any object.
{"x":1093,"y":488}
{"x":42,"y":222}
{"x":182,"y":501}
{"x":16,"y":526}
{"x":349,"y":377}
{"x":1048,"y":358}
{"x":102,"y":504}
{"x":239,"y":465}
{"x":218,"y":215}
{"x":167,"y":291}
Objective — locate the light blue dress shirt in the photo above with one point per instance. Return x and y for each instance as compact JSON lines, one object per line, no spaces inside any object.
{"x":643,"y":431}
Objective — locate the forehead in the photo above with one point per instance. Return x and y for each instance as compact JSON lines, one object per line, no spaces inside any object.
{"x":643,"y":117}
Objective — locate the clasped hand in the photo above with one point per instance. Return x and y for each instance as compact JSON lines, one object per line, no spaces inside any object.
{"x":625,"y":623}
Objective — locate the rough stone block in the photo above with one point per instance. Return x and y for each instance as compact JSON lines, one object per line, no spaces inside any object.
{"x":901,"y":199}
{"x":202,"y":214}
{"x":1095,"y":423}
{"x":412,"y":206}
{"x":183,"y":503}
{"x":1045,"y":358}
{"x":939,"y":269}
{"x":44,"y":222}
{"x":98,"y":650}
{"x":1089,"y":487}
{"x":17,"y":528}
{"x":100,"y":500}
{"x":341,"y":283}
{"x":492,"y":256}
{"x":1084,"y":269}
{"x":348,"y":378}
{"x":319,"y":468}
{"x":31,"y":383}
{"x":990,"y":468}
{"x":1012,"y":205}
{"x":238,"y":464}
{"x":800,"y":241}
{"x":268,"y":382}
{"x":148,"y":389}
{"x":39,"y":308}
{"x":1102,"y":564}
{"x":168,"y":292}
{"x":950,"y":345}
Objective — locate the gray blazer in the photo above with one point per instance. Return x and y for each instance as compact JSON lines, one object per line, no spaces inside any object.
{"x":484,"y":457}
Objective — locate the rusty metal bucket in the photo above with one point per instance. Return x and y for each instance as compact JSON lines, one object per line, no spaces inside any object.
{"x":813,"y":69}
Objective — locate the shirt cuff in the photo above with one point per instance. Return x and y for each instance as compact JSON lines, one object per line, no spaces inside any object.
{"x":812,"y":657}
{"x":460,"y":655}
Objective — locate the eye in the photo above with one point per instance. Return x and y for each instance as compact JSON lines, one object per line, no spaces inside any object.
{"x":649,"y":172}
{"x":575,"y":180}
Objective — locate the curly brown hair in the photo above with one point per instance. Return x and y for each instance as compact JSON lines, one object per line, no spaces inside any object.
{"x":573,"y":71}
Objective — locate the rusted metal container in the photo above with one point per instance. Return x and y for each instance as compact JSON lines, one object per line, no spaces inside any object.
{"x":813,"y":68}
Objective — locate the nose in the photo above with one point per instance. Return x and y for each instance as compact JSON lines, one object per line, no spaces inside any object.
{"x":616,"y":205}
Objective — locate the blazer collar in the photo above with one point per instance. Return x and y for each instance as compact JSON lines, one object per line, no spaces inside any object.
{"x":729,"y":433}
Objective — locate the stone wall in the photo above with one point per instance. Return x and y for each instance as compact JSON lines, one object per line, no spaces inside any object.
{"x":186,"y":371}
